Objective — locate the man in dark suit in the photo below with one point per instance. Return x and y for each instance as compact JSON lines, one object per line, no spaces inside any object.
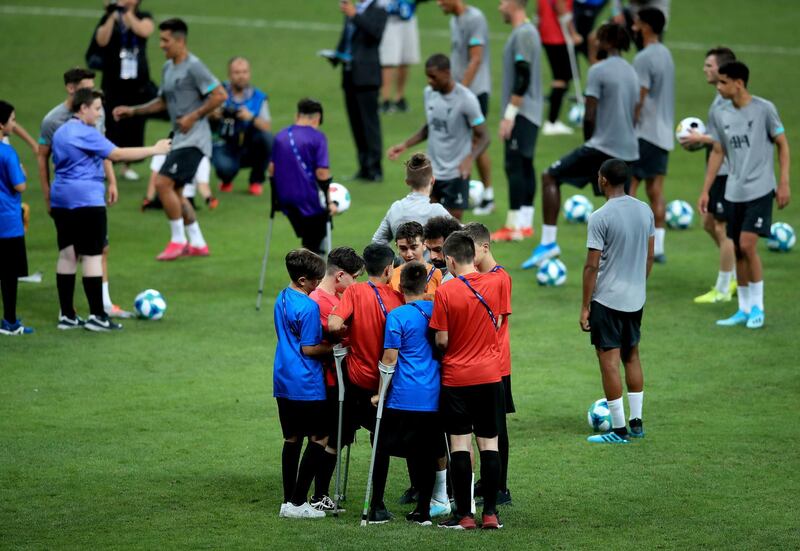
{"x":361,"y":80}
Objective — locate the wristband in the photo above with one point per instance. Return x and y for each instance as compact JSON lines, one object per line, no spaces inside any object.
{"x":511,"y":112}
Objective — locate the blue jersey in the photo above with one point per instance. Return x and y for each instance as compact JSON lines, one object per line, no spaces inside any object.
{"x":294,"y":375}
{"x":416,"y":380}
{"x":10,"y":199}
{"x":78,"y":154}
{"x":404,"y":9}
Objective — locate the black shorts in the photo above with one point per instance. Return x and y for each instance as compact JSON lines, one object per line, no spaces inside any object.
{"x":508,"y":401}
{"x":558,"y":56}
{"x":751,"y":216}
{"x":85,"y":228}
{"x":523,"y":138}
{"x":718,"y":206}
{"x":613,"y":328}
{"x":471,"y":409}
{"x":403,"y":430}
{"x":652,"y":161}
{"x":181,"y":165}
{"x":579,"y":167}
{"x":483,"y":100}
{"x":14,"y":257}
{"x":310,"y":229}
{"x":301,"y":417}
{"x":358,"y":412}
{"x":452,"y":194}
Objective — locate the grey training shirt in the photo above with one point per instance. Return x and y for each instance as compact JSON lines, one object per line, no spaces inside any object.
{"x":718,"y":100}
{"x":524,"y":44}
{"x":184,"y":88}
{"x":57,"y":116}
{"x":414,"y":207}
{"x":748,"y":137}
{"x":467,"y":30}
{"x":621,"y":229}
{"x":656,"y":72}
{"x":615,"y":85}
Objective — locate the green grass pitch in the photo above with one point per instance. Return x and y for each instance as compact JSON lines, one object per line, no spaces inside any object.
{"x":166,"y":435}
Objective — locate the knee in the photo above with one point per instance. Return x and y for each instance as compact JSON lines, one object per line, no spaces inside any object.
{"x":710,"y":225}
{"x":164,"y":183}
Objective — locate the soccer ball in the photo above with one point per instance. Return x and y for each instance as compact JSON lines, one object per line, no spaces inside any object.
{"x":686,"y":127}
{"x":340,"y":196}
{"x":552,"y":273}
{"x":150,"y":305}
{"x":475,"y":193}
{"x":781,"y":238}
{"x":679,"y":214}
{"x":575,"y":114}
{"x":577,"y":209}
{"x":599,"y":416}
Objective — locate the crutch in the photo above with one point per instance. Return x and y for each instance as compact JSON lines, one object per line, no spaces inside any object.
{"x":573,"y":62}
{"x":346,"y":474}
{"x":386,"y":377}
{"x":273,"y":208}
{"x":339,"y":354}
{"x":328,"y":237}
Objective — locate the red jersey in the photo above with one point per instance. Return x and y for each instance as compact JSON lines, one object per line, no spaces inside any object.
{"x":361,"y":310}
{"x":473,"y":351}
{"x":326,"y":302}
{"x":549,"y":27}
{"x":503,"y":335}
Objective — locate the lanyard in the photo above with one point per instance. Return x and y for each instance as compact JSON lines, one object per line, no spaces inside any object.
{"x":497,"y":268}
{"x":482,"y":301}
{"x":421,"y":311}
{"x":430,"y":275}
{"x":380,"y":300}
{"x":297,"y":156}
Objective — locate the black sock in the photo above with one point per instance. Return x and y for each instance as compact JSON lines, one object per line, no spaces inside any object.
{"x":490,"y":478}
{"x":93,"y":287}
{"x":622,"y":431}
{"x":308,"y":468}
{"x":502,"y":448}
{"x":66,"y":291}
{"x":290,"y":457}
{"x":379,"y":474}
{"x":9,"y":290}
{"x":461,"y":471}
{"x":322,"y":481}
{"x":556,"y":97}
{"x":424,"y":471}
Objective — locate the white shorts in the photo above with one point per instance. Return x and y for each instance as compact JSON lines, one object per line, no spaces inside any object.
{"x":400,"y":43}
{"x":202,"y":176}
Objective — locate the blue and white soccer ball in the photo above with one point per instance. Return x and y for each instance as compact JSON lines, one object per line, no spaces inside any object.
{"x":150,"y":305}
{"x":575,"y":114}
{"x":552,"y":273}
{"x":476,"y":188}
{"x":782,"y":237}
{"x":679,"y":214}
{"x":577,"y":209}
{"x":599,"y":416}
{"x":340,"y":195}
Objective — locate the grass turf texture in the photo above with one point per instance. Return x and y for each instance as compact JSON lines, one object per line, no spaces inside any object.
{"x":166,"y":435}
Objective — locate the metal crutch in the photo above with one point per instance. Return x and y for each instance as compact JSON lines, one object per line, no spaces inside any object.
{"x":339,"y":354}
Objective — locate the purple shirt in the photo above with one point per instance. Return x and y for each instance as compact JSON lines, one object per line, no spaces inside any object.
{"x":295,"y":168}
{"x":78,"y":154}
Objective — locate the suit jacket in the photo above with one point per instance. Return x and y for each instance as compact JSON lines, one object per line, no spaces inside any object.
{"x":366,"y":66}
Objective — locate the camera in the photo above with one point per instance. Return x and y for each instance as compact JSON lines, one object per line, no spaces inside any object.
{"x":228,"y":127}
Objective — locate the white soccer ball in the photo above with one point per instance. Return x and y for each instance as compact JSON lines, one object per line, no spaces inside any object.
{"x":552,"y":273}
{"x":578,"y":208}
{"x":476,"y":188}
{"x":686,"y":127}
{"x":599,"y":416}
{"x":575,"y":114}
{"x":679,"y":214}
{"x":782,"y":237}
{"x":150,"y":305}
{"x":340,"y":196}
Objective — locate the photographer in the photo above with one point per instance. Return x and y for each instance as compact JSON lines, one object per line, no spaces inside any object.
{"x":121,"y":37}
{"x":244,"y":138}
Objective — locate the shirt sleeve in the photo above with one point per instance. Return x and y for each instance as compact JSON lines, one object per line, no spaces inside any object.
{"x":439,"y":315}
{"x":346,"y":306}
{"x":594,"y":85}
{"x":383,"y":234}
{"x":472,"y":110}
{"x":712,"y":128}
{"x":264,"y":113}
{"x":310,"y":327}
{"x":46,"y":132}
{"x":524,"y":46}
{"x":476,"y":31}
{"x":13,"y":169}
{"x":652,"y":230}
{"x":643,"y":71}
{"x":393,"y":333}
{"x":204,"y":81}
{"x":95,"y":143}
{"x":321,"y":159}
{"x":774,"y":124}
{"x":596,"y":233}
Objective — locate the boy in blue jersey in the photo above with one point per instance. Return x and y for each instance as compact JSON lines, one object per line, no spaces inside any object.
{"x":298,"y":381}
{"x":411,"y":418}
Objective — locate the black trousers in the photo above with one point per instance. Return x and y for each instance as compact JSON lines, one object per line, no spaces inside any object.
{"x":365,"y":124}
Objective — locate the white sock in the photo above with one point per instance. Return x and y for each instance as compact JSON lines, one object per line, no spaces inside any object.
{"x":526,"y":217}
{"x":195,"y":235}
{"x":659,"y":244}
{"x":512,"y":219}
{"x":107,"y":304}
{"x":743,"y":293}
{"x":617,"y":409}
{"x":635,"y":403}
{"x":723,"y":281}
{"x":488,"y":194}
{"x":176,"y":230}
{"x":440,"y":487}
{"x":549,"y":234}
{"x":757,"y":294}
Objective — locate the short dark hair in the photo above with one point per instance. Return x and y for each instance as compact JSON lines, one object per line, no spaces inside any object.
{"x":304,"y":263}
{"x":77,"y":74}
{"x":237,"y":58}
{"x":409,"y":231}
{"x":413,"y":278}
{"x":376,"y":257}
{"x":418,"y":171}
{"x":615,"y":171}
{"x":345,"y":258}
{"x":722,"y":54}
{"x":440,"y":62}
{"x":5,"y":111}
{"x":310,"y":106}
{"x":615,"y":35}
{"x":735,"y":70}
{"x":176,"y":26}
{"x":477,"y":232}
{"x":84,"y":96}
{"x":653,"y":17}
{"x":440,"y":227}
{"x":460,"y":247}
